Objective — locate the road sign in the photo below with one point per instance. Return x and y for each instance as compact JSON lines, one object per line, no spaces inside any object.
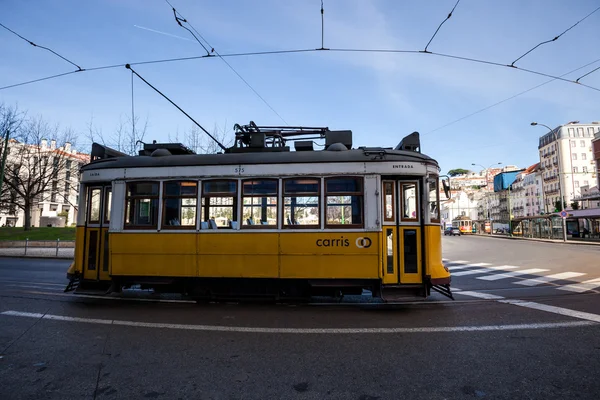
{"x":563,"y":214}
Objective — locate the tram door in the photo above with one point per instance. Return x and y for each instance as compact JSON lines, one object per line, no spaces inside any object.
{"x":401,"y":232}
{"x":96,"y":255}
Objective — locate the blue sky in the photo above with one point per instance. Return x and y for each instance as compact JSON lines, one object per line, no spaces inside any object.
{"x":380,"y":97}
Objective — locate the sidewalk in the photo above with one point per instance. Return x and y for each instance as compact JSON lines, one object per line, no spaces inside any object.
{"x":574,"y":241}
{"x":43,"y":249}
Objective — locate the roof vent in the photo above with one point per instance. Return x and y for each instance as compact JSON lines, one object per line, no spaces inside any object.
{"x":160,"y":153}
{"x":337,"y":147}
{"x":342,"y":137}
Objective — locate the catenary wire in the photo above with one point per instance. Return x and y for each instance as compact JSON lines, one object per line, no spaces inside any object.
{"x":583,"y":76}
{"x":555,"y":38}
{"x":39,"y":80}
{"x":175,"y":12}
{"x":509,"y":98}
{"x":41,"y":47}
{"x":179,"y":108}
{"x":259,"y":53}
{"x":436,"y":31}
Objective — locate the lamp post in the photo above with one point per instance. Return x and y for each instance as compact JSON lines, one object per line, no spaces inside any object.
{"x":489,"y":215}
{"x":560,"y":183}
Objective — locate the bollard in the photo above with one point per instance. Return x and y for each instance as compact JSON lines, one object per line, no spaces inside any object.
{"x":57,"y":241}
{"x":26,"y":243}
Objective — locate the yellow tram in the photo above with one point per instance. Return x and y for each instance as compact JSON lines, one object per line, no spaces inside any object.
{"x":260,"y":220}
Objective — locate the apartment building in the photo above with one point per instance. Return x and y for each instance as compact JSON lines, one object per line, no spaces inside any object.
{"x":567,"y":161}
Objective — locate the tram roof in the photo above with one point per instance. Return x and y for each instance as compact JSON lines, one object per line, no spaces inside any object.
{"x":363,"y":154}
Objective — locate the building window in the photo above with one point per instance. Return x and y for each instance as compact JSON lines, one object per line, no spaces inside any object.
{"x":585,"y":170}
{"x":586,"y":183}
{"x":94,"y":205}
{"x":388,"y":201}
{"x":576,"y":184}
{"x":575,"y":170}
{"x":571,"y":132}
{"x":590,"y":131}
{"x":409,"y":202}
{"x":219,"y":204}
{"x":574,"y":156}
{"x":301,"y":202}
{"x":582,"y":143}
{"x":583,"y":156}
{"x":141,"y":210}
{"x":344,"y":200}
{"x":580,"y":132}
{"x":179,"y":205}
{"x":259,"y":203}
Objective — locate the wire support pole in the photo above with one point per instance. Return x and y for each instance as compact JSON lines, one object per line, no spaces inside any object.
{"x":176,"y":106}
{"x":132,"y":109}
{"x":322,"y":28}
{"x":4,"y":154}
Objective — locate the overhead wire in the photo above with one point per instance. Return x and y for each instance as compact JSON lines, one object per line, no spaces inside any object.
{"x":555,"y":38}
{"x":179,"y":108}
{"x":436,"y":31}
{"x":583,"y":76}
{"x":509,"y":98}
{"x":176,"y":13}
{"x":41,"y":47}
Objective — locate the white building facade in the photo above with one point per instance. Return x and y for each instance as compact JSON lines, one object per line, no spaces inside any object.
{"x":567,"y":162}
{"x":57,"y":204}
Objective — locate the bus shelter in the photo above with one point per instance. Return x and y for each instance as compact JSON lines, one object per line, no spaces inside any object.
{"x":547,"y":226}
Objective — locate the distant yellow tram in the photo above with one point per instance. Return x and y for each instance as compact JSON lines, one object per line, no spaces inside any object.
{"x":260,"y":220}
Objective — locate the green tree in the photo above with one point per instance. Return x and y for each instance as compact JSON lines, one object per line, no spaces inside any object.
{"x":458,"y":171}
{"x":575,"y":205}
{"x":557,"y":206}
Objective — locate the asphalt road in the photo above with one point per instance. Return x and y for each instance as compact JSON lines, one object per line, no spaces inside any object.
{"x":499,"y":339}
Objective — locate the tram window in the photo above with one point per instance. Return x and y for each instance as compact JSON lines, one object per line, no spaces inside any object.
{"x":409,"y":202}
{"x":301,"y":202}
{"x":141,"y":205}
{"x":107,"y":204}
{"x":259,"y":203}
{"x":434,"y":201}
{"x":219,"y":203}
{"x":179,"y":205}
{"x":388,"y":201}
{"x":344,"y":202}
{"x":94,"y":213}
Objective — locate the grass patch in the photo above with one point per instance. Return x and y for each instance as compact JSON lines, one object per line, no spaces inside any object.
{"x":44,"y":233}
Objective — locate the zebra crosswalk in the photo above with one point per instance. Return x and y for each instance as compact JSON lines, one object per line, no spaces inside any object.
{"x":570,"y":281}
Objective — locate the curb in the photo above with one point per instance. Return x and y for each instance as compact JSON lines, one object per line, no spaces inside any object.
{"x":38,"y":257}
{"x":541,"y":240}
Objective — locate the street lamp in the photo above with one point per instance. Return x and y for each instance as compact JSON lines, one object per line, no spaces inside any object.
{"x":560,"y":183}
{"x":489,"y":215}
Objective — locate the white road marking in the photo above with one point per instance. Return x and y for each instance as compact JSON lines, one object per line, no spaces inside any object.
{"x":512,"y":274}
{"x":553,"y":309}
{"x":483,"y":270}
{"x":459,"y":262}
{"x":243,"y":329}
{"x":2,"y":282}
{"x":582,"y":287}
{"x":481,"y":264}
{"x":480,"y":295}
{"x":537,"y":306}
{"x":459,"y":267}
{"x":91,"y":296}
{"x":549,"y":278}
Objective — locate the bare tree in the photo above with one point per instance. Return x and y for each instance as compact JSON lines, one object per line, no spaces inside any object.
{"x":35,"y":167}
{"x":125,"y":136}
{"x":201,"y":143}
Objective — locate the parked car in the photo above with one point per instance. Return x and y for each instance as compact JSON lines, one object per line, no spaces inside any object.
{"x":452,"y":231}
